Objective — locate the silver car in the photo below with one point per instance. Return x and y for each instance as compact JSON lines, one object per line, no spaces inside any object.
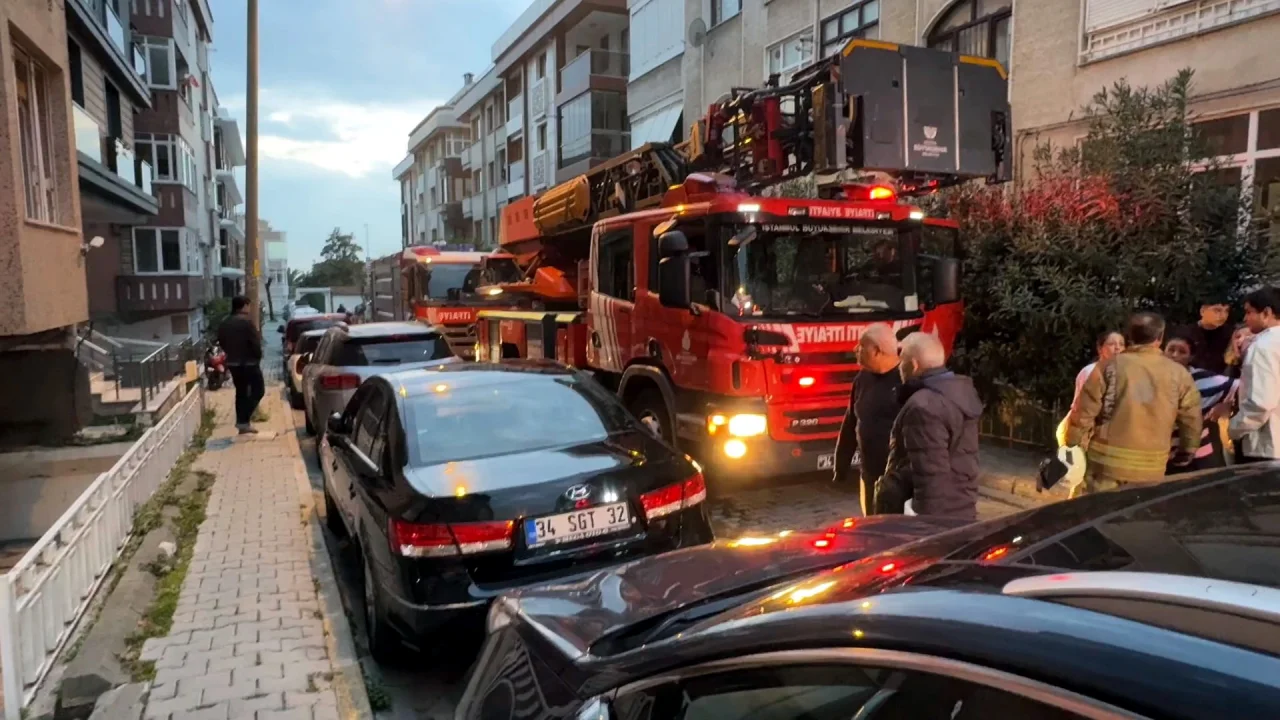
{"x":297,"y":362}
{"x":347,"y":355}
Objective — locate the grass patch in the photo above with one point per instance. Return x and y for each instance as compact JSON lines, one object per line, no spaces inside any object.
{"x":379,"y":696}
{"x":147,"y":518}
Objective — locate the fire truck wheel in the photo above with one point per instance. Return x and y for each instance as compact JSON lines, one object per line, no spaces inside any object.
{"x":652,"y":412}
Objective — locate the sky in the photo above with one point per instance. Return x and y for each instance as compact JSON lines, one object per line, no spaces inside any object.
{"x":341,"y":84}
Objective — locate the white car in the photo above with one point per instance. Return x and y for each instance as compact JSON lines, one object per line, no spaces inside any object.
{"x":306,"y":344}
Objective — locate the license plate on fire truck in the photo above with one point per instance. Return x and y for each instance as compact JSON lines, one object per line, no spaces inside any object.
{"x":577,"y":525}
{"x":827,"y":461}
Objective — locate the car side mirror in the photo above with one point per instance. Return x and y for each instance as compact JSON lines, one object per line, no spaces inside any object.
{"x":337,"y":425}
{"x":946,"y":280}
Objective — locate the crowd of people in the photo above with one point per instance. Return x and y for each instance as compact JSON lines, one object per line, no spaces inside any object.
{"x":1156,"y":402}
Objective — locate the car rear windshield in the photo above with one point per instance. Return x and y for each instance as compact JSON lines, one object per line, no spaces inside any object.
{"x":307,"y":343}
{"x":531,"y":413}
{"x":391,"y":350}
{"x":297,"y":328}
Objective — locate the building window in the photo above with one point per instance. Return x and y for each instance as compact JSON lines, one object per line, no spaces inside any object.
{"x":973,"y":28}
{"x":722,"y":10}
{"x":541,"y":138}
{"x":171,"y":157}
{"x":860,"y":21}
{"x":35,"y":132}
{"x":541,"y":70}
{"x":785,"y":58}
{"x":1247,"y":148}
{"x":158,"y":250}
{"x":77,"y":72}
{"x":161,"y":71}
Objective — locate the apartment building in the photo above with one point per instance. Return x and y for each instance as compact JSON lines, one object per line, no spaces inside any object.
{"x":483,"y":109}
{"x":154,"y":284}
{"x":432,"y":182}
{"x":655,"y":88}
{"x":43,"y":389}
{"x":275,"y":290}
{"x":563,"y":67}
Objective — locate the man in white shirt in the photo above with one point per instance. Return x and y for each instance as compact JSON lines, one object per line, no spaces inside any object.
{"x":1256,"y":426}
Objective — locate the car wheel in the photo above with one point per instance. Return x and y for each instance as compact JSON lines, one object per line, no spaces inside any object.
{"x":384,"y":645}
{"x":649,"y":408}
{"x":311,"y":428}
{"x":295,"y":399}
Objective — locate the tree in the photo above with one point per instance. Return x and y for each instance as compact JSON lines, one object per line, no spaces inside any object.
{"x":1135,"y":218}
{"x":340,"y":263}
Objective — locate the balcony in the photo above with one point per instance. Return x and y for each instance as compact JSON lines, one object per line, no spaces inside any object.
{"x":110,"y":169}
{"x":578,"y":155}
{"x":159,"y":293}
{"x":498,"y":138}
{"x":96,"y":20}
{"x":515,"y":115}
{"x":232,"y":221}
{"x":515,"y":183}
{"x":227,"y":178}
{"x":469,"y":205}
{"x":231,"y":144}
{"x":594,"y":70}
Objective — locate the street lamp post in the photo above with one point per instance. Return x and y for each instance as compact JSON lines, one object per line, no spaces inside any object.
{"x":251,"y":166}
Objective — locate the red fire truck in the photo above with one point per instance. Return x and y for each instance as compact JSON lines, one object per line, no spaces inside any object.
{"x":728,"y":321}
{"x":438,"y":287}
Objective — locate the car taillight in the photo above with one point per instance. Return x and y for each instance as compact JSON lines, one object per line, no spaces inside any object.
{"x":339,"y":382}
{"x":675,"y":497}
{"x":448,"y":540}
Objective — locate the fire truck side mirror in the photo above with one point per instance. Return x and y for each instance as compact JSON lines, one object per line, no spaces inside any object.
{"x":673,"y":271}
{"x":946,"y":280}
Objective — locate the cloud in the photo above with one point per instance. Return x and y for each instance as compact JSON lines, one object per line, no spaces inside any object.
{"x":335,"y":135}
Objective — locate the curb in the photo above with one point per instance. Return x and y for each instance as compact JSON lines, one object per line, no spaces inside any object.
{"x":348,"y":680}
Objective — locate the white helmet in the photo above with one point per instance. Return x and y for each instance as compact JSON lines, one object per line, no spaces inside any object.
{"x":1066,"y":468}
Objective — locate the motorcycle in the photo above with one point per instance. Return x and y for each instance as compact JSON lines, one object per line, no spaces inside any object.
{"x":215,"y":367}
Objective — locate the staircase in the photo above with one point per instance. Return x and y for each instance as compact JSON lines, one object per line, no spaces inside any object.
{"x":134,"y":380}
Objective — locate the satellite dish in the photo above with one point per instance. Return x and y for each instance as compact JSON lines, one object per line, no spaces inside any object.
{"x":697,"y":32}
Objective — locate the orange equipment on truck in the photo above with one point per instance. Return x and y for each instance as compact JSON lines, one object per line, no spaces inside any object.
{"x":728,"y":321}
{"x":438,"y":287}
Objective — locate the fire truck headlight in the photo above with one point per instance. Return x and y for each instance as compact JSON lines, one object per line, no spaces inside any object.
{"x":735,"y":449}
{"x":747,"y":425}
{"x":917,"y":215}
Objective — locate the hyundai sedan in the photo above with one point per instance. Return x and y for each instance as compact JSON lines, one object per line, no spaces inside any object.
{"x":463,"y":481}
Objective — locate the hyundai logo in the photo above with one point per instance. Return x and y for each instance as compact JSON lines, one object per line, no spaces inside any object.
{"x":578,"y":492}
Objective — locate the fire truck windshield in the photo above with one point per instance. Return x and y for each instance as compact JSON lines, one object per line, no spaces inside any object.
{"x":815,"y":269}
{"x":451,"y":280}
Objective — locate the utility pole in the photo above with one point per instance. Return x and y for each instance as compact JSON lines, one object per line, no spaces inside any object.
{"x":251,"y":167}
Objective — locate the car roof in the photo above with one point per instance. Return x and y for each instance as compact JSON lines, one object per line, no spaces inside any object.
{"x":458,"y":376}
{"x":314,"y":333}
{"x":318,"y":316}
{"x":395,"y":327}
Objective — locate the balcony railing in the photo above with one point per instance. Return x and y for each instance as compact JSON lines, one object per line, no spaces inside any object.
{"x":159,"y":293}
{"x":139,"y":62}
{"x":515,"y":186}
{"x":115,"y":30}
{"x":600,"y":144}
{"x":88,"y":134}
{"x":577,"y":74}
{"x":515,"y":115}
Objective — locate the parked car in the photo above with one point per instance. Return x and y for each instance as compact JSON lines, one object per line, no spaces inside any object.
{"x":463,"y":481}
{"x":347,"y":354}
{"x":292,"y":330}
{"x":295,"y":363}
{"x":1156,"y":602}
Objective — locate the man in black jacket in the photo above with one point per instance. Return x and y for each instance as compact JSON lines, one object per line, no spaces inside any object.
{"x":933,"y":448}
{"x":873,"y":405}
{"x":242,"y":343}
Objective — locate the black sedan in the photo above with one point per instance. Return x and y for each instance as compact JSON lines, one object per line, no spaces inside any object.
{"x":1158,"y":602}
{"x":459,"y":482}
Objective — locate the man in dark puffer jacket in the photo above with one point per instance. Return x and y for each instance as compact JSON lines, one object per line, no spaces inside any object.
{"x":933,"y":447}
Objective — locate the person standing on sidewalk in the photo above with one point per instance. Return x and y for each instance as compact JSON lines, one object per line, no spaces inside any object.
{"x":1255,"y":429}
{"x":242,"y":343}
{"x":1211,"y":336}
{"x":873,"y":406}
{"x":933,"y":446}
{"x":1129,"y":408}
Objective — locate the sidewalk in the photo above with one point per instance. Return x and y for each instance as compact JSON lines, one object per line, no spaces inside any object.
{"x":249,"y":638}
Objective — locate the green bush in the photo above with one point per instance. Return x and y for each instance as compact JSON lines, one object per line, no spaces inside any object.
{"x":1135,"y":218}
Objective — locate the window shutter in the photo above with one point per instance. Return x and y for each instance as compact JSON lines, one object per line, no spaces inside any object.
{"x":1101,"y":14}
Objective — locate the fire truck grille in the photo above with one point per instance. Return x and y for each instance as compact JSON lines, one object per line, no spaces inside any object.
{"x":820,"y":421}
{"x":462,"y":340}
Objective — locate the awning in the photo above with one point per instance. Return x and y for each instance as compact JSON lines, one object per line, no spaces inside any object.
{"x":656,"y":126}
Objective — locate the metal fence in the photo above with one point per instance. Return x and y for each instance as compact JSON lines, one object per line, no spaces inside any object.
{"x":151,"y":371}
{"x":44,"y":595}
{"x":1017,"y":421}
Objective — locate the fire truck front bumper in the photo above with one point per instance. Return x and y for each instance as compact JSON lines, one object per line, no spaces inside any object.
{"x":762,"y":457}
